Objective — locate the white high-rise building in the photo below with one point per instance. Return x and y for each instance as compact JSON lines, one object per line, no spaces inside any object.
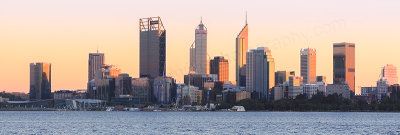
{"x":198,"y":51}
{"x":260,"y":71}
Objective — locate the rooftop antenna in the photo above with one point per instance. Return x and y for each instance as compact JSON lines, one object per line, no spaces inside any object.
{"x":97,"y":48}
{"x":201,"y":19}
{"x":246,"y":17}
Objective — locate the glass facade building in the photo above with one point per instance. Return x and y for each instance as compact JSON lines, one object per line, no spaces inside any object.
{"x":260,"y":72}
{"x":344,"y":64}
{"x":241,"y":50}
{"x":220,"y":66}
{"x":308,"y":65}
{"x":40,"y":81}
{"x":152,"y":48}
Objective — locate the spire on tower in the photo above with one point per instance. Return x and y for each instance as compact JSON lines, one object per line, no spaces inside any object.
{"x":201,"y":19}
{"x":246,"y":17}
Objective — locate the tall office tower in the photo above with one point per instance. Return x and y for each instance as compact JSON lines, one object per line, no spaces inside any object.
{"x":308,"y":64}
{"x":198,"y":52}
{"x":220,"y":66}
{"x":390,"y":73}
{"x":152,"y":47}
{"x":241,"y":49}
{"x":260,"y":72}
{"x":344,"y":64}
{"x":40,"y":81}
{"x":95,"y":62}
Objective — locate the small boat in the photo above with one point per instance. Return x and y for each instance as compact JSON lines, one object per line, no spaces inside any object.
{"x":238,"y":108}
{"x":134,"y":109}
{"x":108,"y":109}
{"x":156,"y":110}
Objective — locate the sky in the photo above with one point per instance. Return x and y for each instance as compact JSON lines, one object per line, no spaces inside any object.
{"x":65,"y":32}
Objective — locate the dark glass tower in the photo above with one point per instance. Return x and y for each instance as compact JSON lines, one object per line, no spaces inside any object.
{"x":40,"y":81}
{"x":152,"y":49}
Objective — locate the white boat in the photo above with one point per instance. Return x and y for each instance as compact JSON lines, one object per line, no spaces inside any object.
{"x":109,"y":109}
{"x":238,"y":108}
{"x":156,"y":110}
{"x":134,"y":109}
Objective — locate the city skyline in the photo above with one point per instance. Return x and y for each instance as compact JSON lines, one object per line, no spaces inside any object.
{"x":67,"y":44}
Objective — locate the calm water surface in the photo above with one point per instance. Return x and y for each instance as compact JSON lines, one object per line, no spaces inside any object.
{"x":199,"y":123}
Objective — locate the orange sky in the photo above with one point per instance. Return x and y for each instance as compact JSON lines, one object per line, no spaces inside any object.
{"x":64,"y":32}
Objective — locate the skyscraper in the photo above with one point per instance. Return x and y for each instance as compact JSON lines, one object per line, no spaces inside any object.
{"x":95,"y":62}
{"x":220,"y":66}
{"x":389,"y":72}
{"x":308,"y":65}
{"x":344,"y":64}
{"x":40,"y":81}
{"x":260,"y":72}
{"x":152,"y":47}
{"x":198,"y":51}
{"x":241,"y":49}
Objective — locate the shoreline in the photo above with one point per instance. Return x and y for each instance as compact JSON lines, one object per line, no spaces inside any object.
{"x":56,"y":110}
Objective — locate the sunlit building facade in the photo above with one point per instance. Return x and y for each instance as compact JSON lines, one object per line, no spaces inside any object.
{"x":389,"y":72}
{"x":152,"y":49}
{"x":260,"y":72}
{"x":198,"y":51}
{"x":308,"y":65}
{"x":40,"y":81}
{"x":241,"y":50}
{"x":220,"y":66}
{"x":108,"y":71}
{"x":344,"y":64}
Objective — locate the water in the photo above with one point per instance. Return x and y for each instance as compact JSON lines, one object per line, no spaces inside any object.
{"x":199,"y":123}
